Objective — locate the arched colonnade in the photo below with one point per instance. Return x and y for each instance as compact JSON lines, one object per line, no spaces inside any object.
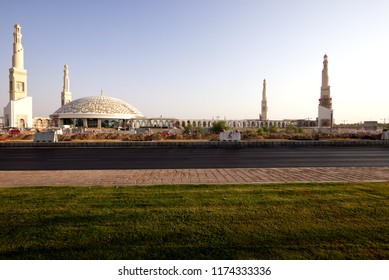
{"x":170,"y":123}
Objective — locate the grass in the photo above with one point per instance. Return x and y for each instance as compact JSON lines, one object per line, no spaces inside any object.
{"x":275,"y":221}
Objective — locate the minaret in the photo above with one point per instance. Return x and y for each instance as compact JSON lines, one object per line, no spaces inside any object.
{"x":325,"y":98}
{"x":264,"y":103}
{"x":18,"y":112}
{"x":325,"y":118}
{"x":17,"y":74}
{"x":66,"y":95}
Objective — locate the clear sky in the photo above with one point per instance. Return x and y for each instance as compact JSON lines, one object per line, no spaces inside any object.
{"x":204,"y":58}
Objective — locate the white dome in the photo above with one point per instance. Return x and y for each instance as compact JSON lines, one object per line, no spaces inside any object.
{"x":98,"y":107}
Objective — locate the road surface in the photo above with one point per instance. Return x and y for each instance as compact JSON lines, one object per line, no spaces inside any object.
{"x":22,"y":158}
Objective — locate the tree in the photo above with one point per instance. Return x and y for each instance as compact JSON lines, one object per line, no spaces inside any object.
{"x":219,"y":126}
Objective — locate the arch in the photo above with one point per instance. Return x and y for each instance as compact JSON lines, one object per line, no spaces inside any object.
{"x":22,"y":123}
{"x":169,"y":123}
{"x":39,"y":123}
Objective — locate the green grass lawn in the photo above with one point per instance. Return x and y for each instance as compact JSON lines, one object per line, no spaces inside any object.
{"x":273,"y":221}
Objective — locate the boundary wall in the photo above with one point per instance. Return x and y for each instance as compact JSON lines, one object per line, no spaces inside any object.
{"x":194,"y":144}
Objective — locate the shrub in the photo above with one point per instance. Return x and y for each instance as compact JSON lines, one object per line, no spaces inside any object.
{"x":219,"y":126}
{"x":273,"y":129}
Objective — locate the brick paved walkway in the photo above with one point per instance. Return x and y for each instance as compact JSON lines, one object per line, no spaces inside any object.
{"x":191,"y":176}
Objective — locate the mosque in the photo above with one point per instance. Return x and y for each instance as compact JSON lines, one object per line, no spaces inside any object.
{"x":103,"y":112}
{"x":93,"y":111}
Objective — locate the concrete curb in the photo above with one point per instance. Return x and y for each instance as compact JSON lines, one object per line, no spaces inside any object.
{"x":198,"y":144}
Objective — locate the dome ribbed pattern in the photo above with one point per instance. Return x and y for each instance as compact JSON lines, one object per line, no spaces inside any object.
{"x":99,"y":105}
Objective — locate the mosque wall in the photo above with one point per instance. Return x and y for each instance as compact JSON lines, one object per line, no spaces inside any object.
{"x":207,"y":123}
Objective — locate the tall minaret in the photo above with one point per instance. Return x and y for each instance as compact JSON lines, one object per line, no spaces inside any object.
{"x":325,"y":98}
{"x":264,"y":103}
{"x":18,"y":112}
{"x":66,"y":95}
{"x":17,"y":74}
{"x":325,"y":118}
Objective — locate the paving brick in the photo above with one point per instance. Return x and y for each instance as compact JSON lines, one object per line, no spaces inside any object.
{"x":191,"y":176}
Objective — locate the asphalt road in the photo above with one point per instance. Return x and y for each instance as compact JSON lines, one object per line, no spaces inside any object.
{"x":178,"y":158}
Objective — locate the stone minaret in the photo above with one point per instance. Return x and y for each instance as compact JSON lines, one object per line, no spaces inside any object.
{"x":325,"y":118}
{"x":264,"y":103}
{"x":17,"y":74}
{"x":18,"y":112}
{"x":66,"y":95}
{"x":325,"y":98}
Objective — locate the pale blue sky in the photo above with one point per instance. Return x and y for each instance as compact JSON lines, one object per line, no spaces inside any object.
{"x":204,"y":58}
